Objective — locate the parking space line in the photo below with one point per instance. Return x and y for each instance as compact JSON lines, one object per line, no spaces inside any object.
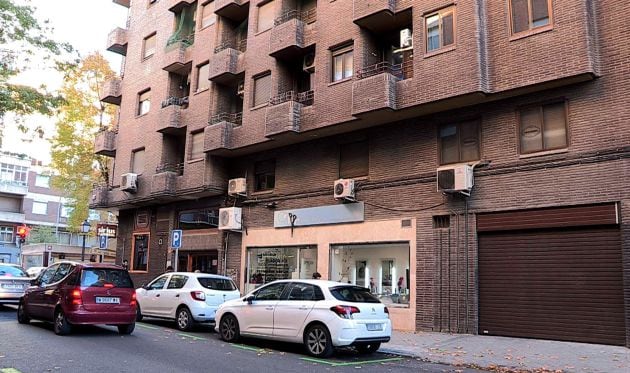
{"x":191,"y":336}
{"x":243,"y":347}
{"x":147,"y":326}
{"x":9,"y":370}
{"x":342,"y":364}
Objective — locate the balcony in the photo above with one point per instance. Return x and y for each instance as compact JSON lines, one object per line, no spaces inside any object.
{"x":235,"y":10}
{"x":164,"y":181}
{"x":227,"y":62}
{"x":177,"y":58}
{"x":13,"y":187}
{"x":218,"y":135}
{"x":124,"y":3}
{"x":105,"y":143}
{"x":373,"y":14}
{"x":375,"y":87}
{"x":13,"y":217}
{"x":177,"y":5}
{"x":111,"y":92}
{"x":100,"y":196}
{"x":170,"y":120}
{"x":284,"y":114}
{"x":288,"y":36}
{"x":117,"y":41}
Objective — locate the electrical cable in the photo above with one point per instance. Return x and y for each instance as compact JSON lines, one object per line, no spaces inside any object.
{"x":403,"y":210}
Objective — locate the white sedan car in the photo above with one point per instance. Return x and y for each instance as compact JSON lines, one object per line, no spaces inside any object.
{"x":320,"y":314}
{"x":185,"y":297}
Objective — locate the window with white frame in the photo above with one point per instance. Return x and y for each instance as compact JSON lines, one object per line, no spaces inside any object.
{"x":40,"y":208}
{"x":13,"y":174}
{"x":42,"y":181}
{"x":65,"y":211}
{"x":6,"y":234}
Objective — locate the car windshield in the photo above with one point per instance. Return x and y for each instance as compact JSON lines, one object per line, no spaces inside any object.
{"x":217,"y":283}
{"x":353,"y":294}
{"x":11,"y":271}
{"x":98,"y":277}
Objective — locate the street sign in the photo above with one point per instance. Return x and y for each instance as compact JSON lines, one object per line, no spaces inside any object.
{"x":176,"y":238}
{"x":102,"y":242}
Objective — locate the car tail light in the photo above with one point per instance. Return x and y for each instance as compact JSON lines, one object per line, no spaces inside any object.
{"x":77,"y":297}
{"x":198,"y":295}
{"x":133,"y":301}
{"x":345,"y":312}
{"x":109,"y":286}
{"x":386,"y":311}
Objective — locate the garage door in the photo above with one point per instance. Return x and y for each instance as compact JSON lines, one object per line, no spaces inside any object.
{"x":551,"y":283}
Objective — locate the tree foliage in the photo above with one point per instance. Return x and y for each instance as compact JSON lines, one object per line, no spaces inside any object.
{"x":80,"y":117}
{"x":42,"y":234}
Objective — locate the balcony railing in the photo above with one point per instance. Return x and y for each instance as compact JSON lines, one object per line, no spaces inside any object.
{"x":240,"y":46}
{"x":401,"y":71}
{"x":117,"y":41}
{"x":234,"y":118}
{"x":177,"y":168}
{"x":305,"y":98}
{"x":111,"y":91}
{"x":308,"y":16}
{"x":13,"y":187}
{"x":178,"y":101}
{"x":105,"y":143}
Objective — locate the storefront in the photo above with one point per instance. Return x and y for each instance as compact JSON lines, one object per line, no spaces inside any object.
{"x":268,"y":264}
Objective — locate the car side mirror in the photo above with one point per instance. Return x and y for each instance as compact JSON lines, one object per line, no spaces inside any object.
{"x":34,"y":282}
{"x":145,"y":286}
{"x":249,"y":299}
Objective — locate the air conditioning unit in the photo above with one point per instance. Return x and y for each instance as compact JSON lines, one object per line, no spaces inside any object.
{"x":406,"y":38}
{"x":240,"y":90}
{"x":344,"y":189}
{"x":237,"y":186}
{"x":309,"y":63}
{"x":456,"y":178}
{"x":129,"y":183}
{"x":230,"y":218}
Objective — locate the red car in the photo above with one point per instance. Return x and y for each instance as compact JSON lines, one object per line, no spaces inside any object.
{"x":70,"y":293}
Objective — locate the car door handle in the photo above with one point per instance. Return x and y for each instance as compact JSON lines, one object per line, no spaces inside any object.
{"x":269,"y":308}
{"x":177,"y":296}
{"x":157,"y":295}
{"x":303,"y":308}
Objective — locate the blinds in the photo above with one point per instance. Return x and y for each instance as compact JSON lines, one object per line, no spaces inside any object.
{"x":262,"y":89}
{"x":196,"y":145}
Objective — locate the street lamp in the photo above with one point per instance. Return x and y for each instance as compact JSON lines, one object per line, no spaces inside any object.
{"x":85,"y":228}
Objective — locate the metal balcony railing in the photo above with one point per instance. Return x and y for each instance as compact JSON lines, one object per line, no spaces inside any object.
{"x":179,"y":101}
{"x":307,"y":16}
{"x":234,"y":118}
{"x":178,"y":168}
{"x":305,"y":98}
{"x":401,"y":71}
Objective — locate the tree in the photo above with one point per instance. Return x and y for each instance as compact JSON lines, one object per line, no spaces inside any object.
{"x":23,"y":37}
{"x":80,"y":117}
{"x":42,"y":234}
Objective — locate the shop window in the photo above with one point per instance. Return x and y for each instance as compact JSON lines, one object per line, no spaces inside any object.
{"x":440,"y":29}
{"x":144,"y":102}
{"x":543,"y":127}
{"x":354,"y":159}
{"x":148,"y":46}
{"x":208,"y":18}
{"x":528,"y":15}
{"x":276,"y":263}
{"x":140,"y":255}
{"x":137,"y":161}
{"x":265,"y":175}
{"x":342,"y":63}
{"x":382,"y":268}
{"x":262,"y":89}
{"x":199,"y":219}
{"x":265,"y":17}
{"x":459,"y":142}
{"x":6,"y":234}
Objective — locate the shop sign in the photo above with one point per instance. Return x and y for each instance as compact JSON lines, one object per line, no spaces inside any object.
{"x":107,"y":230}
{"x":332,"y":214}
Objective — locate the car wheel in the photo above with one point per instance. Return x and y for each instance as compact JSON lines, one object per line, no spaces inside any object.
{"x":138,"y":314}
{"x":317,"y":341}
{"x":61,"y":326}
{"x":184,"y":319}
{"x":126,"y":329}
{"x":229,"y":329}
{"x":368,"y":348}
{"x":22,"y":317}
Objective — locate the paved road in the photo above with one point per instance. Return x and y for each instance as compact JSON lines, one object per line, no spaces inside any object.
{"x":156,"y":346}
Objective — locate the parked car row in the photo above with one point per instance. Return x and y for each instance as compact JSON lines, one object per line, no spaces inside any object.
{"x":321,"y":315}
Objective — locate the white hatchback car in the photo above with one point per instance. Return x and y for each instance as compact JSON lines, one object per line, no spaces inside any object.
{"x":185,"y":297}
{"x":320,"y":314}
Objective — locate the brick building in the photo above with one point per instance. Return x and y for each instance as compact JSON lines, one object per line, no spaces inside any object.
{"x":411,"y":102}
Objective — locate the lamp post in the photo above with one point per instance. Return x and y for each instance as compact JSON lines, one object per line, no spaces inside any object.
{"x":85,"y":228}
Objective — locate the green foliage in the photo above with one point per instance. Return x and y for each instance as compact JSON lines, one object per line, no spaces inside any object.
{"x":42,"y":234}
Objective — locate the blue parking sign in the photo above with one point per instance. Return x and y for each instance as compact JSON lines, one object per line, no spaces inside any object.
{"x":102,"y":242}
{"x":176,"y":238}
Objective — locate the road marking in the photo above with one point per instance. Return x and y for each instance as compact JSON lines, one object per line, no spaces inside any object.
{"x":146,"y":326}
{"x":342,"y":364}
{"x":191,"y":336}
{"x":248,"y":348}
{"x":9,"y":370}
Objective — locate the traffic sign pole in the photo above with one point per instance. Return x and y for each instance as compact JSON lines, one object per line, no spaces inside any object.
{"x":176,"y":244}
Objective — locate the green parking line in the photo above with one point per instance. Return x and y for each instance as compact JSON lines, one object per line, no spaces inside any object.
{"x":242,"y":347}
{"x":142,"y":326}
{"x":191,"y":336}
{"x":9,"y":370}
{"x":341,"y":364}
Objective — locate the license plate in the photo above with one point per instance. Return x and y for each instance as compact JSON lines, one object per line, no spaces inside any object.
{"x":12,"y":287}
{"x":374,"y":327}
{"x":108,"y":300}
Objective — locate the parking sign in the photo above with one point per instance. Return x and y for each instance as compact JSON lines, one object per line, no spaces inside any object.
{"x":176,"y":238}
{"x":102,"y":242}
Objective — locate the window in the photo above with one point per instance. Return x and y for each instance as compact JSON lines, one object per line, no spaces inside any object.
{"x":354,"y":159}
{"x":342,"y":63}
{"x":271,"y":292}
{"x":265,"y":16}
{"x":529,"y":14}
{"x":177,"y":282}
{"x":64,"y":269}
{"x":217,"y":283}
{"x":262,"y":89}
{"x":543,"y":127}
{"x":440,"y":29}
{"x":158,"y":284}
{"x":13,"y":174}
{"x":140,"y":252}
{"x":459,"y":142}
{"x":137,"y":161}
{"x":265,"y":175}
{"x":148,"y":47}
{"x":208,"y":17}
{"x":305,"y":292}
{"x":144,"y":102}
{"x":203,"y":72}
{"x":196,"y":145}
{"x":6,"y":234}
{"x":65,"y":211}
{"x":199,"y":219}
{"x":42,"y":181}
{"x":40,"y":208}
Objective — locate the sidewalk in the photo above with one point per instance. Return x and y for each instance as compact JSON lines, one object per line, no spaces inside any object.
{"x":521,"y":355}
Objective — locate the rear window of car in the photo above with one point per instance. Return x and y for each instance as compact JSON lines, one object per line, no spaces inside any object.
{"x":98,"y":277}
{"x":11,"y":271}
{"x":354,"y":294}
{"x":217,"y":283}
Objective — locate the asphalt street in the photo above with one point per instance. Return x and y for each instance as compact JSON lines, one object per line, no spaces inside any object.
{"x":156,"y":346}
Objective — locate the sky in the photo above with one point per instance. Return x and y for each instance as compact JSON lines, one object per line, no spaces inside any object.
{"x":85,"y":24}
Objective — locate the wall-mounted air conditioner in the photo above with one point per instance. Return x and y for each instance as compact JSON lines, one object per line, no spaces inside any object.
{"x":308,"y":64}
{"x":406,"y":38}
{"x":455,"y":178}
{"x":237,"y":187}
{"x":230,"y":218}
{"x":344,"y":189}
{"x":240,"y":89}
{"x":129,"y":183}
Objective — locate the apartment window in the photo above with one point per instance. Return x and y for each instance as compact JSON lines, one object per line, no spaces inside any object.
{"x":196,"y":145}
{"x":199,"y":219}
{"x":529,"y":14}
{"x":459,"y":142}
{"x":440,"y":30}
{"x":144,"y":102}
{"x":148,"y":47}
{"x":203,"y":71}
{"x":265,"y":175}
{"x":265,"y":16}
{"x":354,"y":159}
{"x":65,"y":211}
{"x":208,"y":18}
{"x":137,"y":161}
{"x":262,"y":89}
{"x":140,"y":254}
{"x":543,"y":127}
{"x":342,"y":63}
{"x":40,"y":208}
{"x":13,"y":174}
{"x":6,"y":234}
{"x":42,"y":181}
